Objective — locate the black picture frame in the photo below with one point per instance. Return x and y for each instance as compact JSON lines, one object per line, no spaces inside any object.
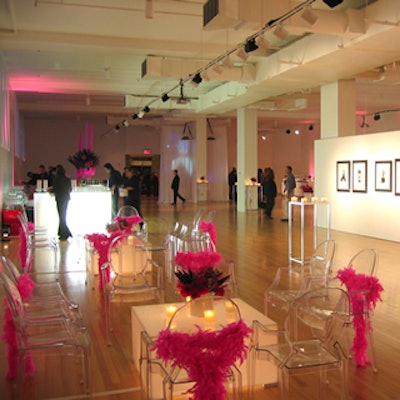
{"x":343,"y":176}
{"x":397,"y":177}
{"x":383,"y":176}
{"x":360,"y":176}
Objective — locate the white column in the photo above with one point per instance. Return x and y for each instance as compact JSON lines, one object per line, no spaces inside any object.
{"x":200,"y":168}
{"x":338,"y":109}
{"x":246,"y":152}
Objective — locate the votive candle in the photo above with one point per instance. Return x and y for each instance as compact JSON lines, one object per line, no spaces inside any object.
{"x":294,"y":198}
{"x":304,"y":200}
{"x":324,"y":199}
{"x":314,"y":200}
{"x":209,"y":317}
{"x":170,"y":311}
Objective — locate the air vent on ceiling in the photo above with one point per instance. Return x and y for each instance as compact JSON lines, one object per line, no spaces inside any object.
{"x":210,"y":10}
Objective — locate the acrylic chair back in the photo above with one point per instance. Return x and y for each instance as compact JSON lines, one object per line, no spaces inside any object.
{"x":127,"y":211}
{"x":320,"y":264}
{"x":365,"y":262}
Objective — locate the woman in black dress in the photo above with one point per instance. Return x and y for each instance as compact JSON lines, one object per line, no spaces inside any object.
{"x":269,"y":187}
{"x":62,"y":189}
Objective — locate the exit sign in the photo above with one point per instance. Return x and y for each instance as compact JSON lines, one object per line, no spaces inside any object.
{"x":146,"y":151}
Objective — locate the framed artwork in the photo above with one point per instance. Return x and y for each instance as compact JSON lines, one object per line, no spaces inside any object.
{"x":360,"y":176}
{"x":343,"y":176}
{"x":383,"y":176}
{"x":397,"y":177}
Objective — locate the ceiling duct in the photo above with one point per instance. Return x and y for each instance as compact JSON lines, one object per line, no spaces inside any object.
{"x":220,"y":14}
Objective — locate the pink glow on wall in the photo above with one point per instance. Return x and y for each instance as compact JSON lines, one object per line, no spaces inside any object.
{"x":44,"y":84}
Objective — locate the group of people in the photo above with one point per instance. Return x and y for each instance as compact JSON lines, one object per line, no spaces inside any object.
{"x":268,"y":189}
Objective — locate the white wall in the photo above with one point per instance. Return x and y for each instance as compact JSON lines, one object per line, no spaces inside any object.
{"x":373,"y":213}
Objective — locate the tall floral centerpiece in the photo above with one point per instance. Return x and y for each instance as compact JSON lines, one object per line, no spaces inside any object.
{"x":85,"y":160}
{"x":198,"y":274}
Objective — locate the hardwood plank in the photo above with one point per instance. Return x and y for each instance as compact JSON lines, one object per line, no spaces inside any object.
{"x":258,"y":246}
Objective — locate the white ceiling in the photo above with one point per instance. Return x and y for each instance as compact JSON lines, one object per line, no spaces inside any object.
{"x":84,"y":57}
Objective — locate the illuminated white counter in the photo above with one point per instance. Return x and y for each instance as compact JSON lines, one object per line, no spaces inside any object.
{"x":88,"y":211}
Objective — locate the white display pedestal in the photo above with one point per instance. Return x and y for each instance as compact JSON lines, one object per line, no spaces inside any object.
{"x":302,"y":205}
{"x":202,"y":191}
{"x":252,"y":197}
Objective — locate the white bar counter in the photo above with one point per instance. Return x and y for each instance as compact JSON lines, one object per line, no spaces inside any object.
{"x":89,"y":210}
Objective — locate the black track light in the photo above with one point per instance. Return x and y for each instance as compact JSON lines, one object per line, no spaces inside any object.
{"x":165,"y":97}
{"x":135,"y":116}
{"x":250,"y":46}
{"x":377,"y":117}
{"x":196,"y":80}
{"x":116,"y":128}
{"x":311,"y":127}
{"x":146,"y":109}
{"x":287,"y":132}
{"x":332,"y":3}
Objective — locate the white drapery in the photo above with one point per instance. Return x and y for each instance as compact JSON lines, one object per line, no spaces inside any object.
{"x":180,"y":154}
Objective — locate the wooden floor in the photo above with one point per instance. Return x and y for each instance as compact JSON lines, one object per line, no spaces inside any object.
{"x":258,"y":246}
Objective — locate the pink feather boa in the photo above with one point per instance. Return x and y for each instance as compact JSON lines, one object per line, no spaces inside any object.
{"x":209,"y":228}
{"x":364,"y":292}
{"x":196,"y":261}
{"x":25,"y":287}
{"x":206,"y":356}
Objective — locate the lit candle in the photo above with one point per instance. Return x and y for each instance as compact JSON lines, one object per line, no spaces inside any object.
{"x":314,"y":200}
{"x":209,"y":317}
{"x":324,"y":199}
{"x":294,"y":198}
{"x":45,"y":185}
{"x":131,"y":239}
{"x":304,"y":200}
{"x":170,"y":311}
{"x":188,"y":298}
{"x":39,"y":185}
{"x":229,"y":307}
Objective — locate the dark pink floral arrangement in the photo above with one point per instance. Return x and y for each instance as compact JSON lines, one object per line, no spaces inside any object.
{"x":197,"y":274}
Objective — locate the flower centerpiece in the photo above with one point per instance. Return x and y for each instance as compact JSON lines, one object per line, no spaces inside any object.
{"x":85,"y":162}
{"x":198,"y":275}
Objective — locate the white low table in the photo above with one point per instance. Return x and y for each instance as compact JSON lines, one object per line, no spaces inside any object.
{"x":153,"y":318}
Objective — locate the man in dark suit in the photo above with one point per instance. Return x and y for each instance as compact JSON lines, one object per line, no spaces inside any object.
{"x":175,"y":187}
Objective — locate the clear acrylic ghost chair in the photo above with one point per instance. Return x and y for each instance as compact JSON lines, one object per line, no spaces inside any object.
{"x":43,"y":292}
{"x":37,"y":335}
{"x":129,"y":271}
{"x":127,"y":211}
{"x":33,"y":242}
{"x":364,"y":262}
{"x":312,"y":342}
{"x":289,"y":284}
{"x":189,"y":323}
{"x":38,"y":309}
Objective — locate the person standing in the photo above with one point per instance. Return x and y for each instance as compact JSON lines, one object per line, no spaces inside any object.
{"x":232,"y":179}
{"x":175,"y":187}
{"x":62,"y":189}
{"x":114,"y":182}
{"x":290,"y":185}
{"x":269,"y":191}
{"x":132,"y":185}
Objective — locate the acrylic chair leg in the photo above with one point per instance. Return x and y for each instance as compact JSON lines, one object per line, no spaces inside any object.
{"x":108,"y":318}
{"x":371,"y":349}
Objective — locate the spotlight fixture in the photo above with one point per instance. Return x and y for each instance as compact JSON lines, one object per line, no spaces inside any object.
{"x":146,"y":109}
{"x":262,"y":42}
{"x":125,"y":123}
{"x":165,"y":97}
{"x":140,"y":114}
{"x":309,"y":15}
{"x":196,"y":80}
{"x":135,"y":116}
{"x":211,"y":136}
{"x":186,"y":133}
{"x":280,"y":32}
{"x":227,"y":62}
{"x":297,"y":132}
{"x":363,"y":123}
{"x":116,"y":128}
{"x":241,"y":53}
{"x":377,"y":117}
{"x":332,"y":3}
{"x":250,"y":46}
{"x":287,"y":132}
{"x":311,"y":127}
